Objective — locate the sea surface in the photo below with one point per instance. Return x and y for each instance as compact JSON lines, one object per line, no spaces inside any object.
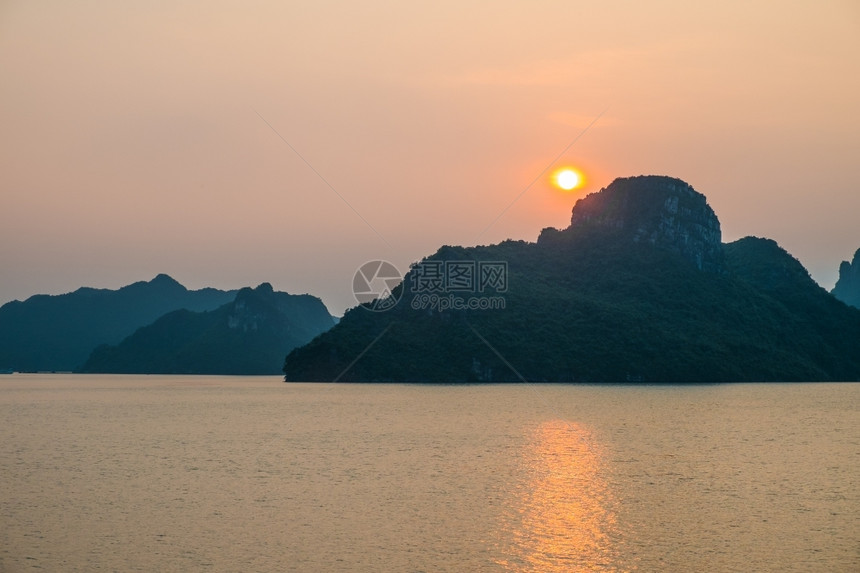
{"x":193,"y":473}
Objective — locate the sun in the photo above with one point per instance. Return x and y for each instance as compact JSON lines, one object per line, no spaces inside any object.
{"x":567,"y":178}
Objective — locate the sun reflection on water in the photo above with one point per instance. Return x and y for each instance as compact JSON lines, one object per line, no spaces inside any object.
{"x":562,"y":517}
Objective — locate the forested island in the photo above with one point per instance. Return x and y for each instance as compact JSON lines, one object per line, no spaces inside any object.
{"x":639,"y":288}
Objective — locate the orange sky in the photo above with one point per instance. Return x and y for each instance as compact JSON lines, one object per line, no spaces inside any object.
{"x":131,"y":138}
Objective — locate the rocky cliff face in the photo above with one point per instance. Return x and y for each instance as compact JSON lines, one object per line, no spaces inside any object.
{"x":847,"y":288}
{"x":251,"y":307}
{"x":663,"y":211}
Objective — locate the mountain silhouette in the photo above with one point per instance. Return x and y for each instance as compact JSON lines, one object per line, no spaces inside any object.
{"x":639,"y":288}
{"x":246,"y":336}
{"x":57,"y":333}
{"x":847,"y":288}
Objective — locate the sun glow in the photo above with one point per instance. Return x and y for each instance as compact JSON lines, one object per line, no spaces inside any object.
{"x":567,"y":178}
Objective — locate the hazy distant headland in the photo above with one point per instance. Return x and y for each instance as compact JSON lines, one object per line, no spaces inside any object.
{"x":639,"y":288}
{"x":847,"y":288}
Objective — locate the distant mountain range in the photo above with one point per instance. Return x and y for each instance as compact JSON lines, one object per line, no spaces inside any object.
{"x":249,"y":335}
{"x":158,"y":327}
{"x":57,"y":333}
{"x":639,"y":288}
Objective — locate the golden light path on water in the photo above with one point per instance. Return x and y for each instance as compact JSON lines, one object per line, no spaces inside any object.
{"x":563,"y":518}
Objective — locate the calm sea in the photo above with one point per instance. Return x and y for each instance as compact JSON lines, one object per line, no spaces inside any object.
{"x":162,"y":473}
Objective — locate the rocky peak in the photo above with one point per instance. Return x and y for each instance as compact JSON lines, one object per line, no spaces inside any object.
{"x":663,"y":211}
{"x":166,"y":281}
{"x":847,"y":288}
{"x":250,"y":308}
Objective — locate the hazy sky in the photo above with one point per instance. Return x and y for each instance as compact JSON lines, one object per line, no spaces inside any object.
{"x":134,"y":136}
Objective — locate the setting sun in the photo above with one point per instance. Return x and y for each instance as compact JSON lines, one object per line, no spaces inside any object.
{"x":567,"y":178}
